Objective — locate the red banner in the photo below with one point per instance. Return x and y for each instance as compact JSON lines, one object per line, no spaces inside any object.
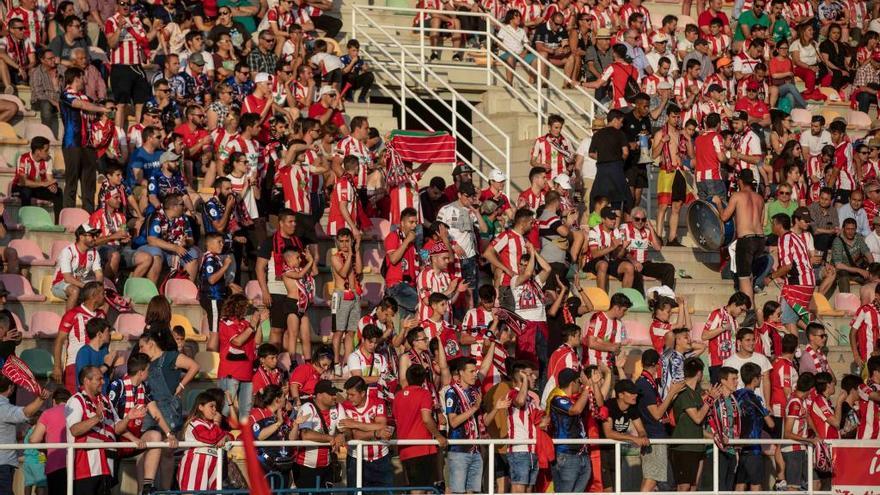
{"x":857,"y":471}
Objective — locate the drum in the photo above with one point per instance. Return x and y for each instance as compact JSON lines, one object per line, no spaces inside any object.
{"x":705,"y":227}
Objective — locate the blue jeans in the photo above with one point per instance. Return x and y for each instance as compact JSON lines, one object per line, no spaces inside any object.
{"x":7,"y":474}
{"x":407,"y":298}
{"x":465,"y":471}
{"x":375,"y":473}
{"x":471,"y":275}
{"x":245,"y":391}
{"x":789,"y":89}
{"x":571,"y":472}
{"x":523,"y":468}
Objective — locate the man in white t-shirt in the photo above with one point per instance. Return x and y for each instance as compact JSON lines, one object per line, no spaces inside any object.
{"x":77,"y":264}
{"x":812,"y":142}
{"x":745,"y":343}
{"x":460,"y":218}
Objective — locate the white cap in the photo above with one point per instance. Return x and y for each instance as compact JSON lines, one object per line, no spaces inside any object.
{"x":497,"y":176}
{"x":326,"y":90}
{"x":662,"y":290}
{"x":660,"y":38}
{"x":262,"y":77}
{"x":564,"y":181}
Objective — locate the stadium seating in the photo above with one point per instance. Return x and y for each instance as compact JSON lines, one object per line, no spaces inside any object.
{"x":46,"y":289}
{"x":72,"y":218}
{"x":188,"y":330}
{"x":140,"y":290}
{"x":182,"y":291}
{"x":29,"y":253}
{"x":639,"y":305}
{"x":598,"y":298}
{"x":40,"y":361}
{"x":823,"y":306}
{"x":847,"y":302}
{"x":37,"y":219}
{"x":45,"y":324}
{"x":20,"y":288}
{"x":208,"y":362}
{"x":130,"y":325}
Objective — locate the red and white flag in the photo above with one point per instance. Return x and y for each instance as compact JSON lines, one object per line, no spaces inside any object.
{"x":20,"y":374}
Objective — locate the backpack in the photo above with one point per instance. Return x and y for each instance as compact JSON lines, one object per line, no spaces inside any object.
{"x":631,"y":87}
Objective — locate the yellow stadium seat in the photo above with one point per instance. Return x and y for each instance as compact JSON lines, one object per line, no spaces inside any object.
{"x":208,"y":362}
{"x":46,"y":289}
{"x":7,"y":132}
{"x":599,"y":298}
{"x":823,"y":307}
{"x":188,"y":330}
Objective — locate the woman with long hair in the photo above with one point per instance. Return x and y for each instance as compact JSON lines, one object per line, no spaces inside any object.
{"x":271,"y":422}
{"x":782,"y":77}
{"x":579,"y":40}
{"x":835,"y":68}
{"x":805,"y":55}
{"x":868,"y":46}
{"x":158,"y":313}
{"x":239,"y":336}
{"x":198,"y":467}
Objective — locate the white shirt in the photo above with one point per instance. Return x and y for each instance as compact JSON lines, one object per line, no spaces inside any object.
{"x":588,"y":170}
{"x":736,"y":362}
{"x":815,"y":143}
{"x":873,"y":242}
{"x":461,"y":224}
{"x":331,"y":62}
{"x":808,"y":53}
{"x":861,"y":217}
{"x":514,"y":40}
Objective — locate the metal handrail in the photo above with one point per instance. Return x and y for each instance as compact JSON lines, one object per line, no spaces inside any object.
{"x":502,"y":148}
{"x":532,"y":96}
{"x":358,"y":446}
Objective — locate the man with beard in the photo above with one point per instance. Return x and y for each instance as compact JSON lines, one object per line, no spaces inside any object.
{"x":269,"y":269}
{"x":637,"y":126}
{"x":224,"y":214}
{"x":169,"y":180}
{"x":77,"y":263}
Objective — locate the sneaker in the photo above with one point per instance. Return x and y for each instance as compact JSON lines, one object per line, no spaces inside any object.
{"x":780,"y":486}
{"x":674,"y":243}
{"x":458,"y":57}
{"x":337,"y":369}
{"x":435,"y":55}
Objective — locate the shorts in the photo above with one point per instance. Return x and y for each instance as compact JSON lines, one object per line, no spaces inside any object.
{"x":291,"y":302}
{"x":281,"y":307}
{"x":305,"y":229}
{"x":212,"y":312}
{"x":105,"y":252}
{"x":129,"y":84}
{"x":613,"y":266}
{"x":750,"y":469}
{"x":346,"y":313}
{"x":502,"y":467}
{"x":748,"y":249}
{"x":465,"y":471}
{"x":34,"y":474}
{"x":776,"y":431}
{"x":796,"y":468}
{"x":636,"y":175}
{"x":654,"y":462}
{"x":59,"y":290}
{"x":192,"y":252}
{"x":421,"y":471}
{"x":523,"y":468}
{"x":529,"y":58}
{"x":708,"y":188}
{"x":789,"y":316}
{"x":685,"y":464}
{"x":671,"y":188}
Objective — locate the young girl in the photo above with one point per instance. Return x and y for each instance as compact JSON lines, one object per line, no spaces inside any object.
{"x":239,"y":337}
{"x":768,"y":336}
{"x":662,"y":306}
{"x":34,"y":466}
{"x":300,"y":285}
{"x":271,"y":422}
{"x":198,"y":468}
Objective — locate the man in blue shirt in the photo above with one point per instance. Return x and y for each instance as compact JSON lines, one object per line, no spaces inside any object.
{"x":462,"y":406}
{"x":97,"y":351}
{"x":572,"y":469}
{"x":655,"y":416}
{"x":144,"y":161}
{"x":753,"y":416}
{"x":356,"y":72}
{"x":169,"y":239}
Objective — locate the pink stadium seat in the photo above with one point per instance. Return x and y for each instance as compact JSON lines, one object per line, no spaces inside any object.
{"x":637,"y":333}
{"x":801,"y":116}
{"x":45,"y":324}
{"x":373,"y":292}
{"x":57,"y":247}
{"x":20,"y":288}
{"x":29,"y":252}
{"x":71,"y":218}
{"x":381,"y":227}
{"x":847,"y":302}
{"x":182,"y":291}
{"x":253,"y":292}
{"x":35,"y":129}
{"x":130,"y":325}
{"x":373,"y":258}
{"x":109,"y":285}
{"x":859,"y":120}
{"x":24,"y":329}
{"x":320,"y":233}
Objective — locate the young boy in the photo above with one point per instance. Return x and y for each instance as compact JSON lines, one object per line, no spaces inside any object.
{"x":480,"y":322}
{"x":330,"y":65}
{"x":437,"y":327}
{"x":97,"y":351}
{"x":300,"y":287}
{"x":726,"y":412}
{"x":797,"y":428}
{"x":720,"y":329}
{"x":596,"y":216}
{"x":212,"y":284}
{"x":753,"y":416}
{"x":268,"y":372}
{"x":356,"y":72}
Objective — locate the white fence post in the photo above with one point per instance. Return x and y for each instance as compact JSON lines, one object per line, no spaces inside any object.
{"x":715,"y":456}
{"x":810,"y":468}
{"x":488,"y":52}
{"x":359,"y":471}
{"x":617,"y":465}
{"x":422,"y":45}
{"x":70,"y":469}
{"x":403,"y":89}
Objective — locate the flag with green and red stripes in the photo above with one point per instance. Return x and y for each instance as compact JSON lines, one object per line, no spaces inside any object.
{"x":423,"y":147}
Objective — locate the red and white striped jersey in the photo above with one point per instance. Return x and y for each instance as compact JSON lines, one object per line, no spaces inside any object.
{"x":553,"y":153}
{"x":679,"y":89}
{"x":843,"y":161}
{"x":30,"y":169}
{"x":496,"y":8}
{"x":797,"y":408}
{"x":34,"y":23}
{"x":80,"y":265}
{"x":20,"y":51}
{"x":315,"y":457}
{"x":283,"y":19}
{"x":250,"y":148}
{"x":198,"y":466}
{"x":343,"y":192}
{"x":784,"y":375}
{"x":109,"y":222}
{"x":521,"y":424}
{"x":351,"y":146}
{"x":475,"y":322}
{"x":221,"y":137}
{"x":869,"y":412}
{"x":603,"y":19}
{"x":553,"y":8}
{"x":564,"y":357}
{"x":640,"y":240}
{"x":658,"y":331}
{"x":768,"y":339}
{"x":93,"y":462}
{"x":821,"y":412}
{"x":374,"y":366}
{"x":747,"y":143}
{"x":858,"y":13}
{"x":128,"y":51}
{"x":599,"y":238}
{"x":531,"y":13}
{"x":652,"y":81}
{"x":794,"y":251}
{"x":720,"y":346}
{"x":745,"y":64}
{"x":530,"y":199}
{"x":295,"y":181}
{"x":428,"y":282}
{"x":371,"y":409}
{"x":729,"y":86}
{"x":629,"y":9}
{"x":867,"y":325}
{"x":510,"y":246}
{"x":73,"y":323}
{"x":718,"y":44}
{"x":797,"y":9}
{"x":405,"y":195}
{"x":135,"y":136}
{"x":605,"y":329}
{"x":706,"y":148}
{"x":498,"y":370}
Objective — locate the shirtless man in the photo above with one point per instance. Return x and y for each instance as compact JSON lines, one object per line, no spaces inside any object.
{"x":345,"y":303}
{"x":748,"y":206}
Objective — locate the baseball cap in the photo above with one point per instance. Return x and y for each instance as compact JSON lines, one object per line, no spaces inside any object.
{"x":497,"y":176}
{"x":741,"y":115}
{"x":803,"y":213}
{"x":625,"y":386}
{"x":468,"y":189}
{"x":566,"y":377}
{"x":660,"y":38}
{"x":607,"y":212}
{"x":564,"y":181}
{"x":325,"y":90}
{"x":723,"y":62}
{"x":197,"y":59}
{"x":326,"y":387}
{"x":714,"y":87}
{"x":461,"y":168}
{"x":86,"y":228}
{"x":263,"y":77}
{"x":153,"y":110}
{"x":169,"y":156}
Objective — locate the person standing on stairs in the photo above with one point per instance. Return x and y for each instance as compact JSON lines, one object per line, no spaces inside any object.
{"x":748,"y":207}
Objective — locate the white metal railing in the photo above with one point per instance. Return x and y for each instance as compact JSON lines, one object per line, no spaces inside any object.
{"x":358,"y":446}
{"x":398,"y":66}
{"x":530,"y":94}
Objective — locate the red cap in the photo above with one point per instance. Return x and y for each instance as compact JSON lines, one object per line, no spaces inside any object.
{"x":753,"y":85}
{"x":434,"y":247}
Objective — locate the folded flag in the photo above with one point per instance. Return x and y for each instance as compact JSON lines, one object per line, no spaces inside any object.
{"x":20,"y":374}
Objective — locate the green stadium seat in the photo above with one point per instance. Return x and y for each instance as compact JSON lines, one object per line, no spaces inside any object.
{"x":40,"y":361}
{"x":140,"y":290}
{"x":38,"y":219}
{"x":637,"y":299}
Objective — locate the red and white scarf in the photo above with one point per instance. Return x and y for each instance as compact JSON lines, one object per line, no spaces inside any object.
{"x":656,"y":386}
{"x":819,"y":359}
{"x":474,"y":427}
{"x":134,"y":397}
{"x":723,"y":417}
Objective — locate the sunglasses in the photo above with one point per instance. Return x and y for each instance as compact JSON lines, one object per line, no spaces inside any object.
{"x":268,"y":40}
{"x":225,"y":12}
{"x":784,"y":193}
{"x":17,"y":28}
{"x":123,"y":4}
{"x":639,"y":219}
{"x":163,"y":90}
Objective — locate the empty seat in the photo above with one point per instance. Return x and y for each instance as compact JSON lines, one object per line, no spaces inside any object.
{"x":182,"y":291}
{"x":372,"y":258}
{"x":823,"y":307}
{"x":639,"y":305}
{"x":598,"y":298}
{"x":859,"y":120}
{"x":208,"y":362}
{"x":7,"y":132}
{"x":55,"y":250}
{"x":636,"y":332}
{"x":847,"y":302}
{"x":40,"y":362}
{"x":140,"y":290}
{"x":801,"y":116}
{"x":45,"y":324}
{"x":20,"y":288}
{"x":38,"y":129}
{"x":37,"y":219}
{"x":29,"y":252}
{"x":381,"y":227}
{"x":46,"y":289}
{"x":71,"y":218}
{"x":130,"y":325}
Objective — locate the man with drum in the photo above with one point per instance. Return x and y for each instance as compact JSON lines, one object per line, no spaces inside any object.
{"x":748,"y":208}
